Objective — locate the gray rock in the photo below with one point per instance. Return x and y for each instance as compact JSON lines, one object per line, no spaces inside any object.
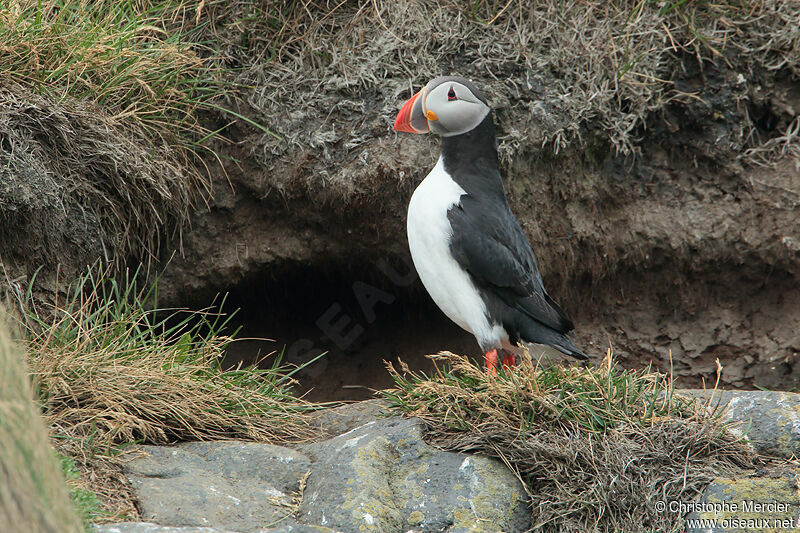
{"x":337,"y":420}
{"x":379,"y":476}
{"x":747,"y":505}
{"x":234,"y":485}
{"x":382,"y":477}
{"x":769,"y":419}
{"x":149,"y":527}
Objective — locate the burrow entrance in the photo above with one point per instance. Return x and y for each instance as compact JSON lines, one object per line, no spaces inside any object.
{"x":358,"y":320}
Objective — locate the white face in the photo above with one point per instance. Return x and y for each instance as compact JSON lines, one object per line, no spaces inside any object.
{"x":451,"y":107}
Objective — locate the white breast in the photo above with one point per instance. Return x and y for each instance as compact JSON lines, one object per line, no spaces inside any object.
{"x":429,"y":233}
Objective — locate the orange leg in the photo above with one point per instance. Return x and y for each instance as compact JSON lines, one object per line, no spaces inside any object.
{"x":508,"y":361}
{"x":491,"y":362}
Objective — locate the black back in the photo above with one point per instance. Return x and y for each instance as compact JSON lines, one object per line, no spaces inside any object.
{"x":489,"y":243}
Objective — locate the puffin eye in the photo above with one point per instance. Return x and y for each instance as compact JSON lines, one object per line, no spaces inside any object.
{"x":451,"y":95}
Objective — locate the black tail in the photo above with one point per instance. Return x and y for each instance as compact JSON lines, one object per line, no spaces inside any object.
{"x":537,"y":333}
{"x":566,"y":346}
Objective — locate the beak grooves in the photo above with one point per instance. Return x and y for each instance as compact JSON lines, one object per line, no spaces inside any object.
{"x":411,"y":115}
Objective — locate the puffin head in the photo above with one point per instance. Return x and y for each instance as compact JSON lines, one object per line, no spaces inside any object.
{"x":447,"y":106}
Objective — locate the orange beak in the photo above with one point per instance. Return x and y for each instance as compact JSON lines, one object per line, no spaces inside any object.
{"x":411,"y":118}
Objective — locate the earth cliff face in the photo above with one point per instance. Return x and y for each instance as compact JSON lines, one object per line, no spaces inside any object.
{"x":678,"y":255}
{"x":655,"y":173}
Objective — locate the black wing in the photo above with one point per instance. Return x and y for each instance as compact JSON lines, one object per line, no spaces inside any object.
{"x":489,"y":243}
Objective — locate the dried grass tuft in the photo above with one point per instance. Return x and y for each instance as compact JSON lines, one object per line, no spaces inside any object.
{"x":59,"y":153}
{"x":328,"y":77}
{"x":99,"y":125}
{"x":595,"y":447}
{"x":135,"y":60}
{"x":33,"y":495}
{"x":113,"y":370}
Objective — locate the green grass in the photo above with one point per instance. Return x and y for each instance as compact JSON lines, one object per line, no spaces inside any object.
{"x":110,"y":357}
{"x":596,"y":400}
{"x":133,"y":59}
{"x":86,"y":503}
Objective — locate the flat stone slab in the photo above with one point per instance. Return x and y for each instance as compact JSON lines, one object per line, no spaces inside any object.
{"x":770,"y":420}
{"x":747,"y":505}
{"x":379,"y":476}
{"x":230,"y":485}
{"x":382,"y":477}
{"x":337,"y":420}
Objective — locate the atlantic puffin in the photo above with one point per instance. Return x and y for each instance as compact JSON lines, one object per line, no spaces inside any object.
{"x":467,"y":246}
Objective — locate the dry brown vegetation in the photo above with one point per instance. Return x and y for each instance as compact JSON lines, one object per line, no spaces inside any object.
{"x":33,"y":495}
{"x":99,"y":128}
{"x":580,"y":71}
{"x":110,"y":372}
{"x":596,"y":448}
{"x":129,"y":188}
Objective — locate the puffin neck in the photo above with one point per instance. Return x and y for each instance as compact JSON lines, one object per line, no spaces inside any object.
{"x":471,"y":161}
{"x":473,"y":152}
